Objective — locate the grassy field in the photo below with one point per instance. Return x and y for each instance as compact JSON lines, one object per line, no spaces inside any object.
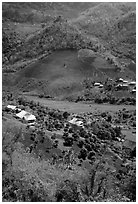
{"x":63,"y":73}
{"x":79,"y":107}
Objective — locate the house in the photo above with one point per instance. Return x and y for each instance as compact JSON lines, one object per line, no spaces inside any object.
{"x":125,"y":81}
{"x":133,"y":91}
{"x":101,"y":86}
{"x":11,"y":107}
{"x":132,"y":83}
{"x":26,"y":116}
{"x":118,"y":86}
{"x":122,"y":87}
{"x":76,"y":123}
{"x":120,"y":80}
{"x":97,"y":84}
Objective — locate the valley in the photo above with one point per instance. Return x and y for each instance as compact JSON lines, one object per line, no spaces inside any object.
{"x":68,"y":102}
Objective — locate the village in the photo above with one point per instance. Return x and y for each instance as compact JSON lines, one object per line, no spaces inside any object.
{"x":65,"y":124}
{"x":120,"y":84}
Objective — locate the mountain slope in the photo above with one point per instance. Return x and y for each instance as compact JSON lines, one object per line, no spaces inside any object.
{"x":114,"y":24}
{"x":37,"y":11}
{"x":60,"y":74}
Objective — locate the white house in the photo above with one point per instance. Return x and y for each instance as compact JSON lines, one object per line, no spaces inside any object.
{"x":132,"y":83}
{"x":120,"y":80}
{"x":26,"y":116}
{"x":97,"y":84}
{"x":12,"y":107}
{"x":75,"y":122}
{"x":101,"y":86}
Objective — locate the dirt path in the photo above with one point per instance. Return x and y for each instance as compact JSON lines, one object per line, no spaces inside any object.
{"x":79,"y":107}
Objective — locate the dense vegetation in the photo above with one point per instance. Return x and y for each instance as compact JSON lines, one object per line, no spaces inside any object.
{"x":113,"y":23}
{"x":50,"y":173}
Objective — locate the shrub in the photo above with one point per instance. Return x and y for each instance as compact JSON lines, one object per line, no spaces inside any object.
{"x":65,"y":115}
{"x":53,"y":137}
{"x":68,"y":141}
{"x":82,"y":154}
{"x":129,"y":185}
{"x":91,"y":156}
{"x":117,"y":131}
{"x":67,"y":192}
{"x":75,"y":136}
{"x":80,"y":143}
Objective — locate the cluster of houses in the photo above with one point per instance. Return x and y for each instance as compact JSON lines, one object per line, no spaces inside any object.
{"x":121,"y":84}
{"x":126,"y":85}
{"x":22,"y":114}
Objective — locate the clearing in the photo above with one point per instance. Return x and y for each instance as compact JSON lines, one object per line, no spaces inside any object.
{"x":73,"y":107}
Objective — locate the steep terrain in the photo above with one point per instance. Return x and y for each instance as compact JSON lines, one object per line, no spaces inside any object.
{"x":63,"y":74}
{"x":39,"y":11}
{"x":106,"y":29}
{"x":60,"y":74}
{"x":114,"y":24}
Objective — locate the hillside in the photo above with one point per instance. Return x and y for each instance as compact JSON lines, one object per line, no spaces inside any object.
{"x":65,"y":74}
{"x":56,"y":34}
{"x":114,"y":24}
{"x":48,"y":47}
{"x":104,"y":27}
{"x":61,"y":74}
{"x":38,"y":11}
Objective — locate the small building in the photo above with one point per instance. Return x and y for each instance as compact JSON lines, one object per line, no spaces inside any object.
{"x":76,"y":123}
{"x":125,"y":87}
{"x":101,"y":86}
{"x":120,"y":80}
{"x":11,"y":107}
{"x":132,"y":83}
{"x":125,"y":81}
{"x":97,"y":84}
{"x":133,"y":91}
{"x":118,"y":86}
{"x":26,"y":116}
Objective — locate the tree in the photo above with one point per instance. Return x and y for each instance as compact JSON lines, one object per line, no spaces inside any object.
{"x":68,"y":141}
{"x":82,"y":154}
{"x":80,"y":143}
